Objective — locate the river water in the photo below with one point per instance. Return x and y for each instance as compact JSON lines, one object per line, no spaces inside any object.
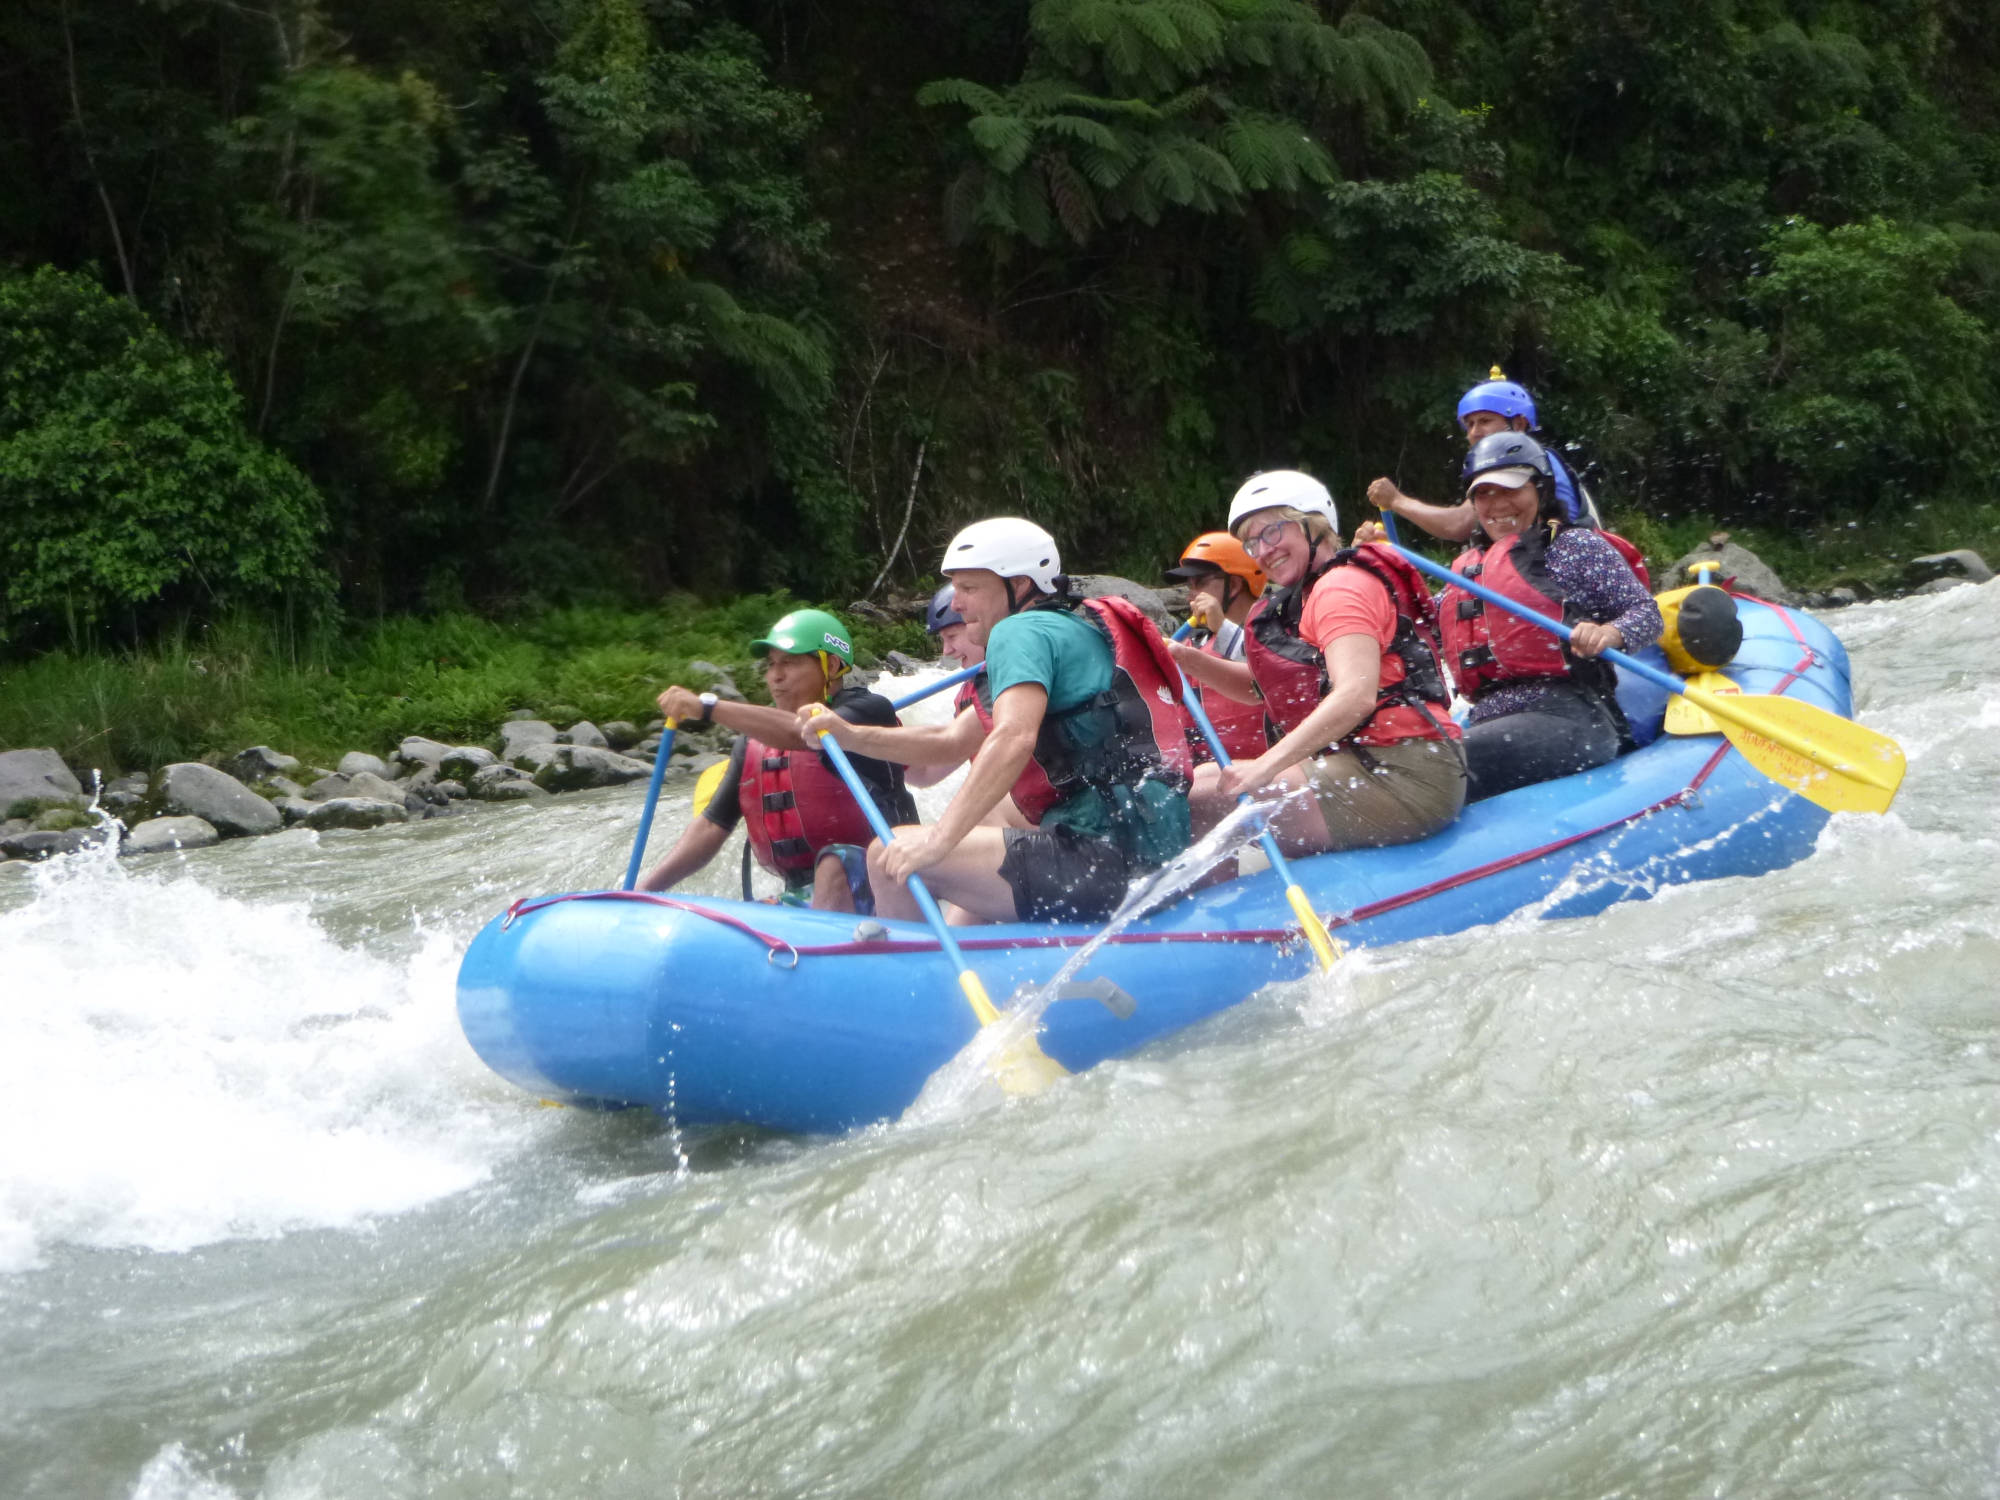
{"x":1700,"y":1196}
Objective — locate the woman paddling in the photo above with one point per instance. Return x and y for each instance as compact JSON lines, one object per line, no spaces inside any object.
{"x":1343,"y":653}
{"x":1540,"y":709}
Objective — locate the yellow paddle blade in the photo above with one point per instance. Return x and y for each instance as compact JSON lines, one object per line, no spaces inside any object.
{"x":1834,"y":762}
{"x":1322,"y":941}
{"x":1685,"y":716}
{"x":1022,"y":1067}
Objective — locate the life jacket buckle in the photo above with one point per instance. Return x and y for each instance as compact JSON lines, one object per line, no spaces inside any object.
{"x":780,"y":801}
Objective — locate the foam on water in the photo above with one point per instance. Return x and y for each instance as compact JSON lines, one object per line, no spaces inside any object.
{"x":179,"y":1067}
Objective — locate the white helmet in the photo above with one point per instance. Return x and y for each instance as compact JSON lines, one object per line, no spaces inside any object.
{"x":1009,"y":546}
{"x":1282,"y":487}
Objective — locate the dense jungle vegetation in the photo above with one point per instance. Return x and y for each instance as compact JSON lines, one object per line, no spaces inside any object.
{"x":339,"y":310}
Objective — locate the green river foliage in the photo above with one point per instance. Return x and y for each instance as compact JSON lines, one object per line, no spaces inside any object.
{"x":339,"y":309}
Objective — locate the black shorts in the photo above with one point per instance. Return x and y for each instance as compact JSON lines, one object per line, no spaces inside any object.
{"x":1059,"y":875}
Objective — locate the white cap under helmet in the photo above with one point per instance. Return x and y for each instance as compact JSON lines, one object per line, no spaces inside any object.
{"x":1282,"y":487}
{"x":1009,"y":546}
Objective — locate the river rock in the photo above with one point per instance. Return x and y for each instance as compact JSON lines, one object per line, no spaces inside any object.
{"x":465,"y":761}
{"x":1964,"y":563}
{"x":508,"y":791}
{"x":575,"y":768}
{"x":1942,"y":585}
{"x":123,"y":795}
{"x":356,"y":761}
{"x":517,"y":735}
{"x":190,"y":789}
{"x":328,"y":787}
{"x":32,"y":779}
{"x":62,"y":819}
{"x":897,"y":662}
{"x":293,"y":809}
{"x":621,"y":734}
{"x":42,"y":844}
{"x":1741,"y":569}
{"x":1105,"y":585}
{"x":720,"y":681}
{"x":356,"y":812}
{"x":373,"y":788}
{"x":533,"y":757}
{"x":583,"y":732}
{"x":259,"y":763}
{"x":452,"y":791}
{"x":156,"y":835}
{"x":418,"y":751}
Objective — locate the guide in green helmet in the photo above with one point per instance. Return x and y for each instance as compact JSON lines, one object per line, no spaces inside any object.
{"x":802,"y":823}
{"x":807,"y":632}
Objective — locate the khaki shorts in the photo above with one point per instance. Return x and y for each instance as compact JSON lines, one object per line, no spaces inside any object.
{"x":1374,"y":795}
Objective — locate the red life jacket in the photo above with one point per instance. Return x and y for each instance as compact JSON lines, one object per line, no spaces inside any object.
{"x":793,"y":806}
{"x":1487,"y":647}
{"x":1240,"y":726}
{"x":1145,"y":728}
{"x":1412,"y":701}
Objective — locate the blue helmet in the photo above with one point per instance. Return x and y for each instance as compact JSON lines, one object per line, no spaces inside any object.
{"x":943,"y":611}
{"x":1497,"y":393}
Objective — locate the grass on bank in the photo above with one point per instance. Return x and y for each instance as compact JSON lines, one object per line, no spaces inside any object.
{"x":452,"y":677}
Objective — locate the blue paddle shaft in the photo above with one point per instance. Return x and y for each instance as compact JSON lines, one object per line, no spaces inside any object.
{"x":1192,"y":700}
{"x":925,"y":902}
{"x":1652,"y":674}
{"x":963,"y":674}
{"x":660,"y":758}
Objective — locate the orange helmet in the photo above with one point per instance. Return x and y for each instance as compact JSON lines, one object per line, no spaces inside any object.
{"x":1219,"y":551}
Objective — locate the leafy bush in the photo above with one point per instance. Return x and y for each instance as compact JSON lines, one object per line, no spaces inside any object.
{"x":128,"y":483}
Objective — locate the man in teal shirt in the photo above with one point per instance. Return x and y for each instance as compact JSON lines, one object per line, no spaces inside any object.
{"x":1077,"y":720}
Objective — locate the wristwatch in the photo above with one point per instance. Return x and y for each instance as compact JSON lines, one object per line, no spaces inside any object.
{"x":708,"y":702}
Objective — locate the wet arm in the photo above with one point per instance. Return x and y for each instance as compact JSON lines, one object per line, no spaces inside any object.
{"x":699,"y":842}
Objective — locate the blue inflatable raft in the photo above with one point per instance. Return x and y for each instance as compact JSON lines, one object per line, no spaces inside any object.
{"x":723,"y":1011}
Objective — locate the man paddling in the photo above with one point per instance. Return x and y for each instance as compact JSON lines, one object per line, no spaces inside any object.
{"x":802,"y":822}
{"x":1078,"y":717}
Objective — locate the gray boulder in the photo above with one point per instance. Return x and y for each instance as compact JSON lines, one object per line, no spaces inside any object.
{"x":1964,"y":563}
{"x":47,"y":845}
{"x":518,"y":735}
{"x":190,"y":789}
{"x":533,"y":757}
{"x":373,"y":788}
{"x":259,"y":763}
{"x":452,"y":791}
{"x":356,"y":812}
{"x":356,"y":761}
{"x":583,"y":732}
{"x":897,"y":662}
{"x":508,"y":791}
{"x":418,"y":751}
{"x":621,"y":734}
{"x":33,"y":779}
{"x":328,"y":787}
{"x":156,"y":835}
{"x":492,"y":776}
{"x":1942,"y":585}
{"x":1741,"y":569}
{"x":575,"y":768}
{"x":720,"y":681}
{"x":465,"y":761}
{"x":293,"y":809}
{"x":1105,"y":585}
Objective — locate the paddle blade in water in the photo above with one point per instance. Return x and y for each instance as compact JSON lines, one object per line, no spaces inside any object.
{"x":1022,"y":1067}
{"x":1315,"y":930}
{"x":1834,"y":762}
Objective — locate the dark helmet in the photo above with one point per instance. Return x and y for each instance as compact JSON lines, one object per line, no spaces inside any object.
{"x":943,"y":610}
{"x":1498,"y":452}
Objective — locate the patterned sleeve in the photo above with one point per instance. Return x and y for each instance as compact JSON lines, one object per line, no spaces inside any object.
{"x":1596,"y":579}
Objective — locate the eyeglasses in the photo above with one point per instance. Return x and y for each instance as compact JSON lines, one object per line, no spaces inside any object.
{"x":1258,"y":541}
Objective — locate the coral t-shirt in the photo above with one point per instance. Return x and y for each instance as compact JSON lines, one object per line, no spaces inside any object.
{"x":1347,"y":601}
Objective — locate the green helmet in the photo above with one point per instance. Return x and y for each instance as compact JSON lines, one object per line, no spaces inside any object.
{"x":806,"y":631}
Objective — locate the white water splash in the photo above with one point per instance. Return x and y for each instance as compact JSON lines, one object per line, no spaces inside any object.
{"x":179,"y":1067}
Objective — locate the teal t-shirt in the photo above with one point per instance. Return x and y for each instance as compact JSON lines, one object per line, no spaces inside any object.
{"x":1063,"y":653}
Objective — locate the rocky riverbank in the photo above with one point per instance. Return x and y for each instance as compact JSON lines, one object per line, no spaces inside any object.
{"x":50,"y":808}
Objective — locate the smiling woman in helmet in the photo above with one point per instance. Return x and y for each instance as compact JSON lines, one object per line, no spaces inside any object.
{"x":1077,"y":718}
{"x":1343,"y":654}
{"x":1540,"y":708}
{"x":801,"y":821}
{"x":1496,"y":404}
